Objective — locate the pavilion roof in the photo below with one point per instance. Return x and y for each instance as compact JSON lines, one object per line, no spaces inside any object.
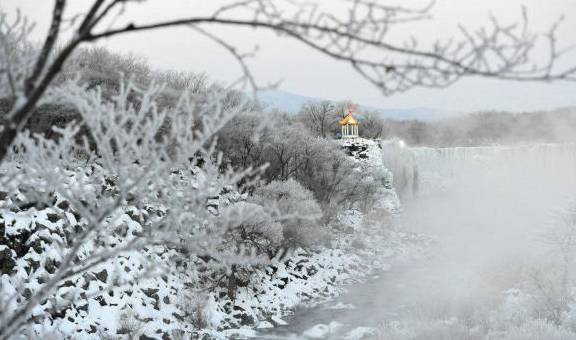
{"x":348,"y":120}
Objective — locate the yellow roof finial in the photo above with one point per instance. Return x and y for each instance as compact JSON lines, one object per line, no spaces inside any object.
{"x":348,"y":119}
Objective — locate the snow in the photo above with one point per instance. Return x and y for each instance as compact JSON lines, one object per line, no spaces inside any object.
{"x":361,"y":333}
{"x":322,"y":331}
{"x":135,"y":290}
{"x":278,"y":320}
{"x":341,"y":305}
{"x":264,"y":324}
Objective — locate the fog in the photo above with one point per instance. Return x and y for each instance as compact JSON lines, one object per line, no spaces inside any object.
{"x":145,"y":195}
{"x":489,"y":211}
{"x":493,"y":208}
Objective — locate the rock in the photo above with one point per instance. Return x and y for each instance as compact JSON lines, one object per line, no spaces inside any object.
{"x":178,"y":316}
{"x":277,"y":321}
{"x":145,"y":337}
{"x":264,"y":324}
{"x":133,"y":216}
{"x":53,"y":217}
{"x":121,"y":230}
{"x":37,"y":246}
{"x":64,"y":205}
{"x":68,"y":283}
{"x":322,"y":331}
{"x":245,"y":319}
{"x":7,"y":263}
{"x":33,"y":265}
{"x":51,"y":265}
{"x":18,"y":243}
{"x":150,"y":292}
{"x":122,"y":330}
{"x":77,"y":216}
{"x":102,"y":276}
{"x":101,"y":300}
{"x":312,"y":270}
{"x":27,"y":293}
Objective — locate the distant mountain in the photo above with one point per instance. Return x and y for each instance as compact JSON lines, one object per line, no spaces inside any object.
{"x":285,"y":101}
{"x":291,"y":103}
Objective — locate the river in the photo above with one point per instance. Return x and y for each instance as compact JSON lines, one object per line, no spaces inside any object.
{"x":488,"y":219}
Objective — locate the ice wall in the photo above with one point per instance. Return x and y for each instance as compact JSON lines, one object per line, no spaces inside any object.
{"x":441,"y":167}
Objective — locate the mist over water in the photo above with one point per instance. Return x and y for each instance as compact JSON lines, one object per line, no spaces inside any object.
{"x":488,"y":209}
{"x":483,"y":204}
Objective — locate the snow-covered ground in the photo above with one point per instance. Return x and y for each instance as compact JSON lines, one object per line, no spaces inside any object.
{"x":137,"y":294}
{"x":491,"y":275}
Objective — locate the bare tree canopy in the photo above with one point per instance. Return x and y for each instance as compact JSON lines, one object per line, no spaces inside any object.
{"x":360,"y":38}
{"x":179,"y":171}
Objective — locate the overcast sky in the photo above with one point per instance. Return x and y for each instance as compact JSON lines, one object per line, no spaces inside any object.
{"x":308,"y":73}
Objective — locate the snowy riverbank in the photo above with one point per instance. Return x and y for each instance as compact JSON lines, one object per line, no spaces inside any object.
{"x":154,"y":293}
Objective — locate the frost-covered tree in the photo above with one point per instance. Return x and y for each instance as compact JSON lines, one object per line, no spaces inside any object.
{"x":244,"y":138}
{"x":552,"y":286}
{"x":138,"y":152}
{"x":319,"y":117}
{"x":134,"y":157}
{"x":372,"y":125}
{"x":298,"y":211}
{"x":359,"y":36}
{"x":253,"y":231}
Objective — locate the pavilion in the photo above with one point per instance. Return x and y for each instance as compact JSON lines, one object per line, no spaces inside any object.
{"x":349,"y":125}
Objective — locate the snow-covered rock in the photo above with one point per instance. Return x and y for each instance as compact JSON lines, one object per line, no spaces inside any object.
{"x":148,"y":293}
{"x":322,"y":331}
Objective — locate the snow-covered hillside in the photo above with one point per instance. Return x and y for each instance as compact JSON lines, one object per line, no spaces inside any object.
{"x":156,"y":293}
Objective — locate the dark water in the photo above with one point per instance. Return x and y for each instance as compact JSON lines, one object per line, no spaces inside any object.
{"x":373,"y":303}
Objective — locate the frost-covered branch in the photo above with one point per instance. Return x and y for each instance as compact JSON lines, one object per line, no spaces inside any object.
{"x":138,"y":155}
{"x":359,"y":36}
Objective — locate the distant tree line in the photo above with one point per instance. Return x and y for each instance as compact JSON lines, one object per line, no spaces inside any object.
{"x":479,"y":128}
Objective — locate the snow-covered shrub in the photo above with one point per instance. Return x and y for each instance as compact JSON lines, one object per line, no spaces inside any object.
{"x":252,"y":229}
{"x":138,"y":160}
{"x":129,"y":324}
{"x":244,"y":138}
{"x":195,"y":308}
{"x":551,"y":282}
{"x":298,"y":211}
{"x":288,"y":150}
